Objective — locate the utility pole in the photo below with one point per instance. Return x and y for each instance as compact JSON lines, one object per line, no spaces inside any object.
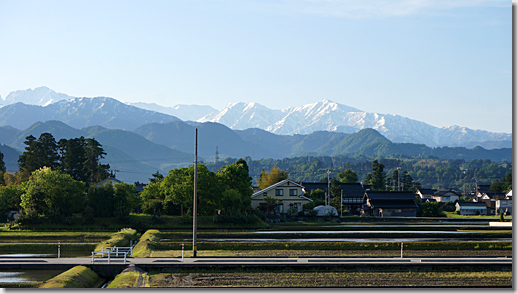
{"x":398,"y":179}
{"x":476,"y":191}
{"x":341,"y":201}
{"x":217,"y":158}
{"x":194,"y":243}
{"x":328,"y":188}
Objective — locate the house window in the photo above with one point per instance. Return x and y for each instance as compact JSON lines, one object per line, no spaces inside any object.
{"x":278,"y":192}
{"x":265,"y":194}
{"x":293,"y":192}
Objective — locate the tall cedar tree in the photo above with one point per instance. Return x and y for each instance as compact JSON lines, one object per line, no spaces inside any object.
{"x":378,"y":176}
{"x":39,"y":153}
{"x":77,"y":157}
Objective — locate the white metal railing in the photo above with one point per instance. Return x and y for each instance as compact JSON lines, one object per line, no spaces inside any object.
{"x":109,"y":253}
{"x":118,"y":250}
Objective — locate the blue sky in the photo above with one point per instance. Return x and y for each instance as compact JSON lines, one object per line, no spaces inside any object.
{"x":443,"y":62}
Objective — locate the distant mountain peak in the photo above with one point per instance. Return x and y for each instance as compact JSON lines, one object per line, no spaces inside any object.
{"x":41,"y":96}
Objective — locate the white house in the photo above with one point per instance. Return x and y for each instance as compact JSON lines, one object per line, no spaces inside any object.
{"x":289,"y":193}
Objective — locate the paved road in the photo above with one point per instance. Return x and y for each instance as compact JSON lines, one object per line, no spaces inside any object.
{"x":257,"y":261}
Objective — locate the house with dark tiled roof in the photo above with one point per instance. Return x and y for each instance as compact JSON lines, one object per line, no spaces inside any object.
{"x":352,"y":194}
{"x":390,"y":203}
{"x":425,"y":194}
{"x":446,"y":195}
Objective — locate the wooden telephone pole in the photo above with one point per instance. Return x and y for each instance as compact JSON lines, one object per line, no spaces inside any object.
{"x":195,"y":200}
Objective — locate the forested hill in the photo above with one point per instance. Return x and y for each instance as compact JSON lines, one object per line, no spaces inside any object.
{"x":163,"y":146}
{"x":429,"y":171}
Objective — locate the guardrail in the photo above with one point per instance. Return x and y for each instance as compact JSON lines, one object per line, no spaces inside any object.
{"x":118,"y":250}
{"x":109,"y":254}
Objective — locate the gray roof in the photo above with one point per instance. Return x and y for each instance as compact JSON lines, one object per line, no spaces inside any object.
{"x":389,"y":195}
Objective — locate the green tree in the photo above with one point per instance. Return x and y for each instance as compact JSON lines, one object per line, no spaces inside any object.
{"x":10,"y":197}
{"x":336,"y":188}
{"x":52,"y":193}
{"x":231,"y":201}
{"x":157,"y":177}
{"x":431,"y":209}
{"x":125,"y":198}
{"x":318,"y":195}
{"x":95,"y":171}
{"x":178,"y":187}
{"x":378,"y":176}
{"x":348,"y":176}
{"x":496,"y":186}
{"x":73,"y":157}
{"x":39,"y":153}
{"x":236,"y":177}
{"x":101,"y":200}
{"x":272,"y":177}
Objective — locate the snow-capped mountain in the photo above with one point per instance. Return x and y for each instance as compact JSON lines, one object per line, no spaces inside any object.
{"x":41,"y":96}
{"x":331,"y":116}
{"x":82,"y":112}
{"x":182,"y":111}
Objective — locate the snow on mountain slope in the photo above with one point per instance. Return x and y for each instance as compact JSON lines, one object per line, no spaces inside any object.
{"x":330,"y":116}
{"x":41,"y":96}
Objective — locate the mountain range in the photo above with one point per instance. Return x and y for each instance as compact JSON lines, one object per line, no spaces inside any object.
{"x":25,"y":107}
{"x":135,"y":155}
{"x":141,"y":141}
{"x":330,"y":116}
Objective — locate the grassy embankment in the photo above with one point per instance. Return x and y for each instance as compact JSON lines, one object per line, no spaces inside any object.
{"x":76,"y":277}
{"x":119,"y":239}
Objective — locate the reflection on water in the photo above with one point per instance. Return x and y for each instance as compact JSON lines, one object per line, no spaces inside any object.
{"x":28,"y":276}
{"x":356,"y":232}
{"x":63,"y":253}
{"x":367,"y":240}
{"x":17,"y":240}
{"x":25,"y":255}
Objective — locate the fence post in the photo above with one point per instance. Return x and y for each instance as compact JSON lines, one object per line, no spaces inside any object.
{"x":182,"y":251}
{"x":117,"y":249}
{"x":59,"y":249}
{"x":401,"y":249}
{"x":93,"y":257}
{"x":125,"y":253}
{"x":109,"y":257}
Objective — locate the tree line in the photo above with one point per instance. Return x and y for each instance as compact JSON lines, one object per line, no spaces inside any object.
{"x":428,"y":171}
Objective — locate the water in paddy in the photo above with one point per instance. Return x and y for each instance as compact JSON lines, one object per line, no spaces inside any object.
{"x":63,"y":253}
{"x":28,"y":276}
